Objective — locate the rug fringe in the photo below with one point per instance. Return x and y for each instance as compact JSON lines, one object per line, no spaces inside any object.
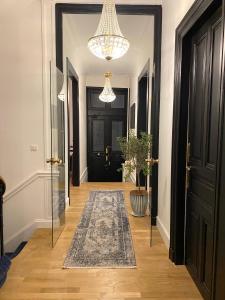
{"x":100,"y":267}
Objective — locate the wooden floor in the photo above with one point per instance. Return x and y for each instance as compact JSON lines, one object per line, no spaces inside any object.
{"x":37,"y":273}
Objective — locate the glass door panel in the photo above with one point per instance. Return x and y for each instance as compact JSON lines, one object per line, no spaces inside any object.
{"x":57,"y":159}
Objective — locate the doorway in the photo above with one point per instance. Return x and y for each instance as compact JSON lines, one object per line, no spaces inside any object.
{"x":203,"y":138}
{"x":73,"y":126}
{"x":197,"y":147}
{"x":154,"y":12}
{"x":106,"y":122}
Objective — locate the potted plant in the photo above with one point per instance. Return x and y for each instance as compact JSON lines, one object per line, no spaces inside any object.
{"x":135,"y":152}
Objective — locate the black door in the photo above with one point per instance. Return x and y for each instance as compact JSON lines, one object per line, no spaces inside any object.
{"x":106,"y":122}
{"x":205,"y":86}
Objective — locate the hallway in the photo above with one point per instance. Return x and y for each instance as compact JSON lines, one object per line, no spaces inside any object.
{"x":37,"y":272}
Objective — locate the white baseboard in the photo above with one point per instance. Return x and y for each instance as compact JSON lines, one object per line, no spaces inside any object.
{"x":21,"y":235}
{"x":25,"y":233}
{"x":29,"y":213}
{"x":164,"y":233}
{"x":67,"y":202}
{"x":84,"y":176}
{"x":42,"y":223}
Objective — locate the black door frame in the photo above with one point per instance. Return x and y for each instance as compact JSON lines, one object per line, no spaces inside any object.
{"x":197,"y":15}
{"x":152,"y":10}
{"x":71,"y":74}
{"x":103,"y":112}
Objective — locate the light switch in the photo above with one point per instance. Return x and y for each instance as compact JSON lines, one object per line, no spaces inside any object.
{"x":33,"y":148}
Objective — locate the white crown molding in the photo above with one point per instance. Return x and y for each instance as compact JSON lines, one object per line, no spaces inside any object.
{"x":27,"y":181}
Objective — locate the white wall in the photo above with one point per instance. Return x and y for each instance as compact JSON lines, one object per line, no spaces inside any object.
{"x":83,"y":129}
{"x":146,"y":54}
{"x":21,"y":113}
{"x":70,"y":51}
{"x":173,"y":12}
{"x":21,"y":118}
{"x":70,"y":112}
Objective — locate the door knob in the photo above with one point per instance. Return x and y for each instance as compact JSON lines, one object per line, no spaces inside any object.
{"x":54,"y":161}
{"x":152,"y":161}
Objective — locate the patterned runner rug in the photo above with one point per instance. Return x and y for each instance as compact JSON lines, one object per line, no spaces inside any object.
{"x":103,"y":238}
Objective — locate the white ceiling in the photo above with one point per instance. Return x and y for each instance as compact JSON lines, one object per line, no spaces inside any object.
{"x":138,"y":29}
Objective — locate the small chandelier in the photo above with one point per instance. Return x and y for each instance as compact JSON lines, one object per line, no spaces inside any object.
{"x":107,"y":94}
{"x":108,"y":42}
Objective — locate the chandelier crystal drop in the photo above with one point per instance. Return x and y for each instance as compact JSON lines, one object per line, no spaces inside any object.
{"x":107,"y":94}
{"x":108,"y":42}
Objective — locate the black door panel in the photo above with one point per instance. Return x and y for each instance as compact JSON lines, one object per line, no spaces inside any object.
{"x":106,"y":122}
{"x":205,"y":83}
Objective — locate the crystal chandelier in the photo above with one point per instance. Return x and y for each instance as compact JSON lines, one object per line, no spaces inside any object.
{"x":107,"y":94}
{"x":108,"y":42}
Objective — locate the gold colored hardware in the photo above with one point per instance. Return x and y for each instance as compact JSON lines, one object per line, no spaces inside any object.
{"x":108,"y":75}
{"x":54,"y":161}
{"x":152,"y":161}
{"x":107,"y":154}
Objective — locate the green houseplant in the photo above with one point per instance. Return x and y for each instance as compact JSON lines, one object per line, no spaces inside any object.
{"x":135,"y":152}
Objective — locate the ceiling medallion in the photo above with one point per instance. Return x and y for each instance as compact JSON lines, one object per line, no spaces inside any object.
{"x":108,"y":42}
{"x":107,"y":94}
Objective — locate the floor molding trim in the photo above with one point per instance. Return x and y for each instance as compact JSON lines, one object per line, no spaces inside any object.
{"x":43,"y":223}
{"x":84,"y":176}
{"x":25,"y":233}
{"x":26,"y":182}
{"x":67,"y":202}
{"x":164,"y":234}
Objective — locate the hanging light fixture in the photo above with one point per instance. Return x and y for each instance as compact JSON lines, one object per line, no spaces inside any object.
{"x":108,"y":42}
{"x":107,"y":94}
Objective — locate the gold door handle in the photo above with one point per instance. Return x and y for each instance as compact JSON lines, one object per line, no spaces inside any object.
{"x":152,"y":161}
{"x":54,"y":161}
